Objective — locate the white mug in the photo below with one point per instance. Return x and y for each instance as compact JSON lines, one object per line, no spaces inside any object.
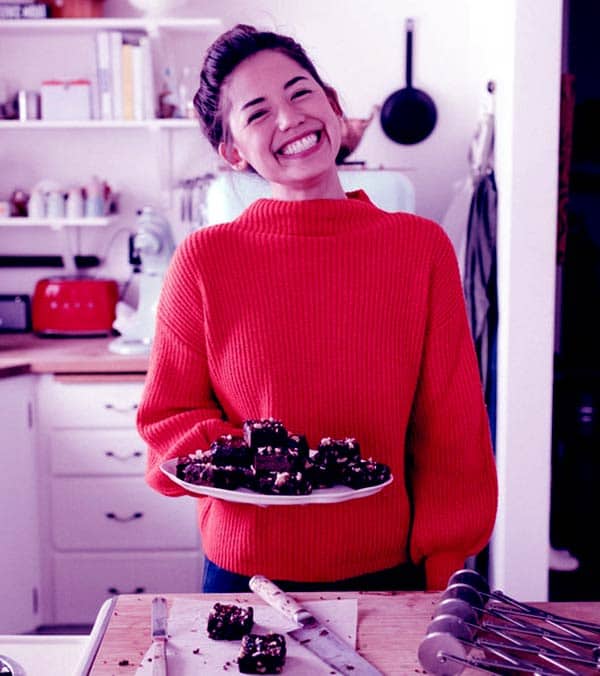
{"x":75,"y":203}
{"x":55,"y":207}
{"x":36,"y":206}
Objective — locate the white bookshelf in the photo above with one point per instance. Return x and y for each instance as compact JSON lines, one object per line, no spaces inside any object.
{"x":56,"y":223}
{"x":156,"y":123}
{"x":149,"y":25}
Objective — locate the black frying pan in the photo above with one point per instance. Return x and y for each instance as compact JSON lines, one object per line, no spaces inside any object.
{"x":408,"y":115}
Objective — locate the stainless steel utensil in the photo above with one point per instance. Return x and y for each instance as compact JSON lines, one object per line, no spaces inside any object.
{"x":313,"y":635}
{"x":475,"y":580}
{"x":159,"y":636}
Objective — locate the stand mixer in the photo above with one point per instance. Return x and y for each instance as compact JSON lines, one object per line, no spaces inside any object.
{"x":153,"y":243}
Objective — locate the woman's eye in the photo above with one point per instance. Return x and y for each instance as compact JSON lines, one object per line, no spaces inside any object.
{"x":300,"y":92}
{"x":256,"y":115}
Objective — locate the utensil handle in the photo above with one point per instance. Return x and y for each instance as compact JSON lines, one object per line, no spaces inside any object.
{"x":410,"y":24}
{"x":277,"y":598}
{"x":159,"y":659}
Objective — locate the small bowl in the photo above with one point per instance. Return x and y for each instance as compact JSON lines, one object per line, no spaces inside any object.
{"x":353,"y":129}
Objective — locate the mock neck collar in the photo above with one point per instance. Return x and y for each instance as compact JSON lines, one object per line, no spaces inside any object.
{"x":313,"y":217}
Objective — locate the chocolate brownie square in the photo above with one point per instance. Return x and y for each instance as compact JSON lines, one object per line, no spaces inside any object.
{"x":365,"y":473}
{"x":299,"y":443}
{"x":340,"y":451}
{"x":319,"y":474}
{"x":276,"y":459}
{"x":262,"y":654}
{"x":264,"y":432}
{"x":217,"y":476}
{"x":197,"y":457}
{"x":229,"y":449}
{"x":229,"y":622}
{"x":283,"y":483}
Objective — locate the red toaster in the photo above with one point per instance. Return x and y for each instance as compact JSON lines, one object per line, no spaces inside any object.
{"x":74,"y":306}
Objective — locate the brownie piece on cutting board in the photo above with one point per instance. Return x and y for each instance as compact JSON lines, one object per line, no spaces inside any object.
{"x":228,"y":622}
{"x":262,"y":654}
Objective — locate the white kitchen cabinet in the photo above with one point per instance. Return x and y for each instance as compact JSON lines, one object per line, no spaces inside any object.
{"x":19,"y":558}
{"x":105,"y":531}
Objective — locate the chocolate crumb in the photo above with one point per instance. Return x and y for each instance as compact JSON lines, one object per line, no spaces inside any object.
{"x":124,"y":663}
{"x":196,"y":651}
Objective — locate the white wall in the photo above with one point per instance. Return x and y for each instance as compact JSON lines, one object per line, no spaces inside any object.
{"x":526,"y":58}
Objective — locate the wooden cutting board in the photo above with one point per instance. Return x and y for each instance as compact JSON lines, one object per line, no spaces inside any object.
{"x":390,"y":627}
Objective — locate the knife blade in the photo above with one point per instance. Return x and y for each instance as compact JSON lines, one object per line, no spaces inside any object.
{"x":311,"y":633}
{"x":159,"y":636}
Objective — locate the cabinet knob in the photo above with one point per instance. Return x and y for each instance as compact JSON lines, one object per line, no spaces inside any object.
{"x":115,"y":591}
{"x":123,"y":458}
{"x":124,"y":519}
{"x":121,"y":409}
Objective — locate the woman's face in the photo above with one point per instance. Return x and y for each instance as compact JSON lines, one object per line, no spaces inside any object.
{"x":282,"y":123}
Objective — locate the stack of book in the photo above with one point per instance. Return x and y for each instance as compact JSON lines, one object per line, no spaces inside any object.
{"x":125,"y":76}
{"x":23,"y":9}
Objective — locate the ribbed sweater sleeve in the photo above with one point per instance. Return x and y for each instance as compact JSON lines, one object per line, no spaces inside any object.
{"x":449,"y":438}
{"x":340,"y":320}
{"x":179,"y":413}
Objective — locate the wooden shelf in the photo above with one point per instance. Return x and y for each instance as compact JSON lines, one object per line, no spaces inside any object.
{"x":56,"y":223}
{"x":150,"y":25}
{"x":157,"y":124}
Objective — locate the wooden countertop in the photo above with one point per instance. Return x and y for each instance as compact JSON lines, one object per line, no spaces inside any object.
{"x":390,"y":627}
{"x":26,"y":352}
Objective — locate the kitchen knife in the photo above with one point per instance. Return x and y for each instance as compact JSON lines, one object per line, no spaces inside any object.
{"x":159,"y":636}
{"x":311,"y":633}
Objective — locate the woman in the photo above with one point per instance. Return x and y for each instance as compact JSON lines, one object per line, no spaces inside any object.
{"x":318,"y":309}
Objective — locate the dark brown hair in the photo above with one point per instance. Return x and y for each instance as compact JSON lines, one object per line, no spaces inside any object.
{"x":227,"y":52}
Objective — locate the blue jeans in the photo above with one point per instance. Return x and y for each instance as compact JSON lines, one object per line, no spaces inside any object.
{"x":405,"y":577}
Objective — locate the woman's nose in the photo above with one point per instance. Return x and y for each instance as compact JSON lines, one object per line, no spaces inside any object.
{"x":289,"y":116}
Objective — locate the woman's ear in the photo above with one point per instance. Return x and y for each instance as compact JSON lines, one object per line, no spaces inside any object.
{"x":232,"y":156}
{"x":334,"y":101}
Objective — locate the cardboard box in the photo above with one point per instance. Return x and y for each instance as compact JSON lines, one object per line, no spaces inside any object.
{"x":66,"y":100}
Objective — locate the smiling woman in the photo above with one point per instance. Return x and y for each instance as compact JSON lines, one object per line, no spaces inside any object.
{"x":316,"y":308}
{"x":284,"y":125}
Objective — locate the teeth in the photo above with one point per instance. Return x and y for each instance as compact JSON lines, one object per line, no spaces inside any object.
{"x":301,"y":144}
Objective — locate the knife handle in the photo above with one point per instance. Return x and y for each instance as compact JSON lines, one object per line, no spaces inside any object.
{"x":277,"y":598}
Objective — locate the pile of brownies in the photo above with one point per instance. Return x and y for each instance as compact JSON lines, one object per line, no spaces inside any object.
{"x":269,"y":459}
{"x":259,"y":653}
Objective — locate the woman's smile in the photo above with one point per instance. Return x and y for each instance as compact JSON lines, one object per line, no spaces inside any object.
{"x":299,"y":146}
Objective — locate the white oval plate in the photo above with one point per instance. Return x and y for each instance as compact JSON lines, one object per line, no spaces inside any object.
{"x":319,"y":496}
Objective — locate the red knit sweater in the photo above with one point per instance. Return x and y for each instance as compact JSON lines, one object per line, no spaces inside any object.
{"x":340,"y":320}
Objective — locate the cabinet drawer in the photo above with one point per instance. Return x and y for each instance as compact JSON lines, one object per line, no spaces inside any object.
{"x":119,"y":513}
{"x":97,"y":404}
{"x":83,"y":581}
{"x":97,"y":452}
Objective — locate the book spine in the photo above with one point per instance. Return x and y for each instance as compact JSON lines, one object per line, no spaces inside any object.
{"x":116,"y":43}
{"x":127,"y":80}
{"x":103,"y":75}
{"x":138,"y":83}
{"x":148,"y":79}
